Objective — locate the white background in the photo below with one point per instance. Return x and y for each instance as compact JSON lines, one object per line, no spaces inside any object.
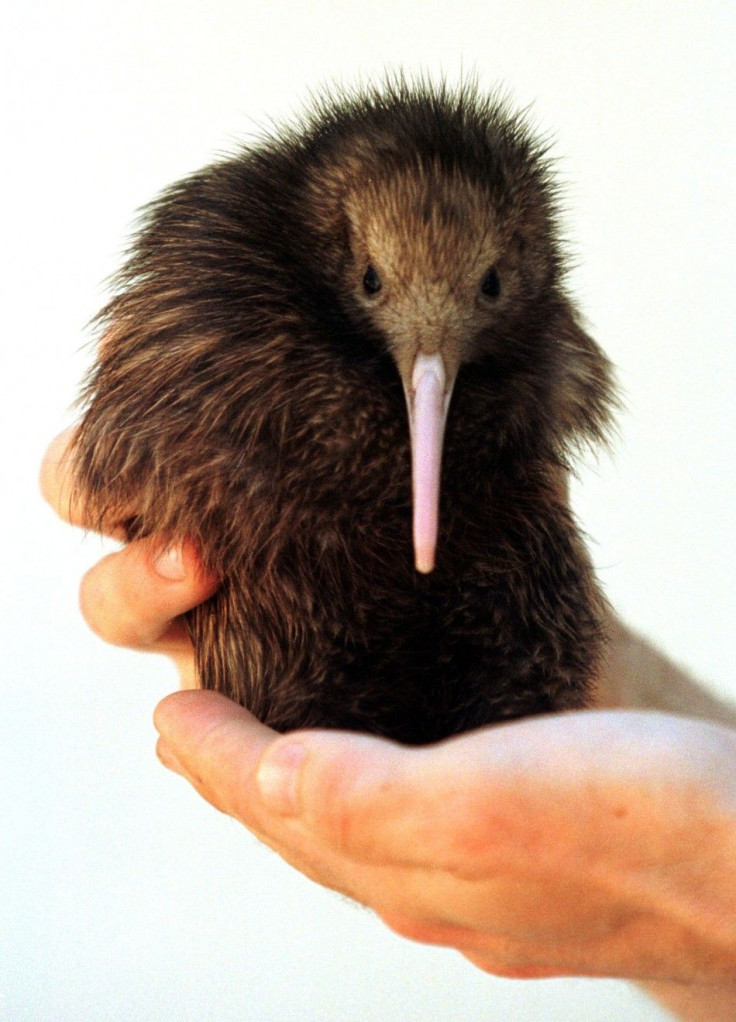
{"x":122,"y":896}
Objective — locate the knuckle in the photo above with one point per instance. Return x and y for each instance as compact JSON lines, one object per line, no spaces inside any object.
{"x":418,"y":930}
{"x":339,"y":800}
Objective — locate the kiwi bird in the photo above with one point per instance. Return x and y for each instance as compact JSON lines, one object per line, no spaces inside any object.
{"x":343,"y":361}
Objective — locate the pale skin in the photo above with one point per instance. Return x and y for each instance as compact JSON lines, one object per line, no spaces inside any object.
{"x":596,"y":843}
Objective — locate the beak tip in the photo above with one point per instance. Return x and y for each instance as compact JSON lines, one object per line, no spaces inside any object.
{"x":424,"y":561}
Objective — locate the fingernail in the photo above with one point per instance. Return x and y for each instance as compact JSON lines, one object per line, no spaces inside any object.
{"x":169,"y":564}
{"x":168,"y":757}
{"x":278,"y":777}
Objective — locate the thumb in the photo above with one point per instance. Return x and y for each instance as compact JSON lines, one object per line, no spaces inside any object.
{"x":215,"y":744}
{"x":339,"y":789}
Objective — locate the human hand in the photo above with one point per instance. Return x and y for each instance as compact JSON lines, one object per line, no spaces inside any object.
{"x":589,"y":843}
{"x":135,"y":596}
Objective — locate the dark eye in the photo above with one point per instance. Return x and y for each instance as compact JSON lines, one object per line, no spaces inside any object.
{"x":491,"y":286}
{"x":371,"y":281}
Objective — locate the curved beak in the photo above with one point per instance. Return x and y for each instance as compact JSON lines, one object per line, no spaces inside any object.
{"x":428,"y":398}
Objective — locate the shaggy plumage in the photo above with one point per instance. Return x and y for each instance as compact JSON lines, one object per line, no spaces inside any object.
{"x":251,"y":392}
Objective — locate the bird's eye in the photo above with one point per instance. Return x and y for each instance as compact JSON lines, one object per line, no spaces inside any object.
{"x":491,"y":286}
{"x":371,"y":281}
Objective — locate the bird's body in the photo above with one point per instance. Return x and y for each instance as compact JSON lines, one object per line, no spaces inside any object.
{"x":280,"y":312}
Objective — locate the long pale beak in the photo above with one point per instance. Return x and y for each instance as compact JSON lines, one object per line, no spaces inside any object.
{"x":428,"y":398}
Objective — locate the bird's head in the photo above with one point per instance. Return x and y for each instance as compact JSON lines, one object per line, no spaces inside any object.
{"x":449,"y":252}
{"x":432,"y":271}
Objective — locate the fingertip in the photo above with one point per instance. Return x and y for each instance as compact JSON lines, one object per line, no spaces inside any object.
{"x":54,"y":477}
{"x":176,"y":709}
{"x":216,"y":745}
{"x":59,"y":488}
{"x":194,"y":714}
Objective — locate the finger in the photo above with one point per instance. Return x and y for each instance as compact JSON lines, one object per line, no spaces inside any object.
{"x":260,"y":778}
{"x":303,"y":790}
{"x":59,"y":489}
{"x":57,"y":478}
{"x":134,"y":597}
{"x":219,"y":747}
{"x":216,"y":744}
